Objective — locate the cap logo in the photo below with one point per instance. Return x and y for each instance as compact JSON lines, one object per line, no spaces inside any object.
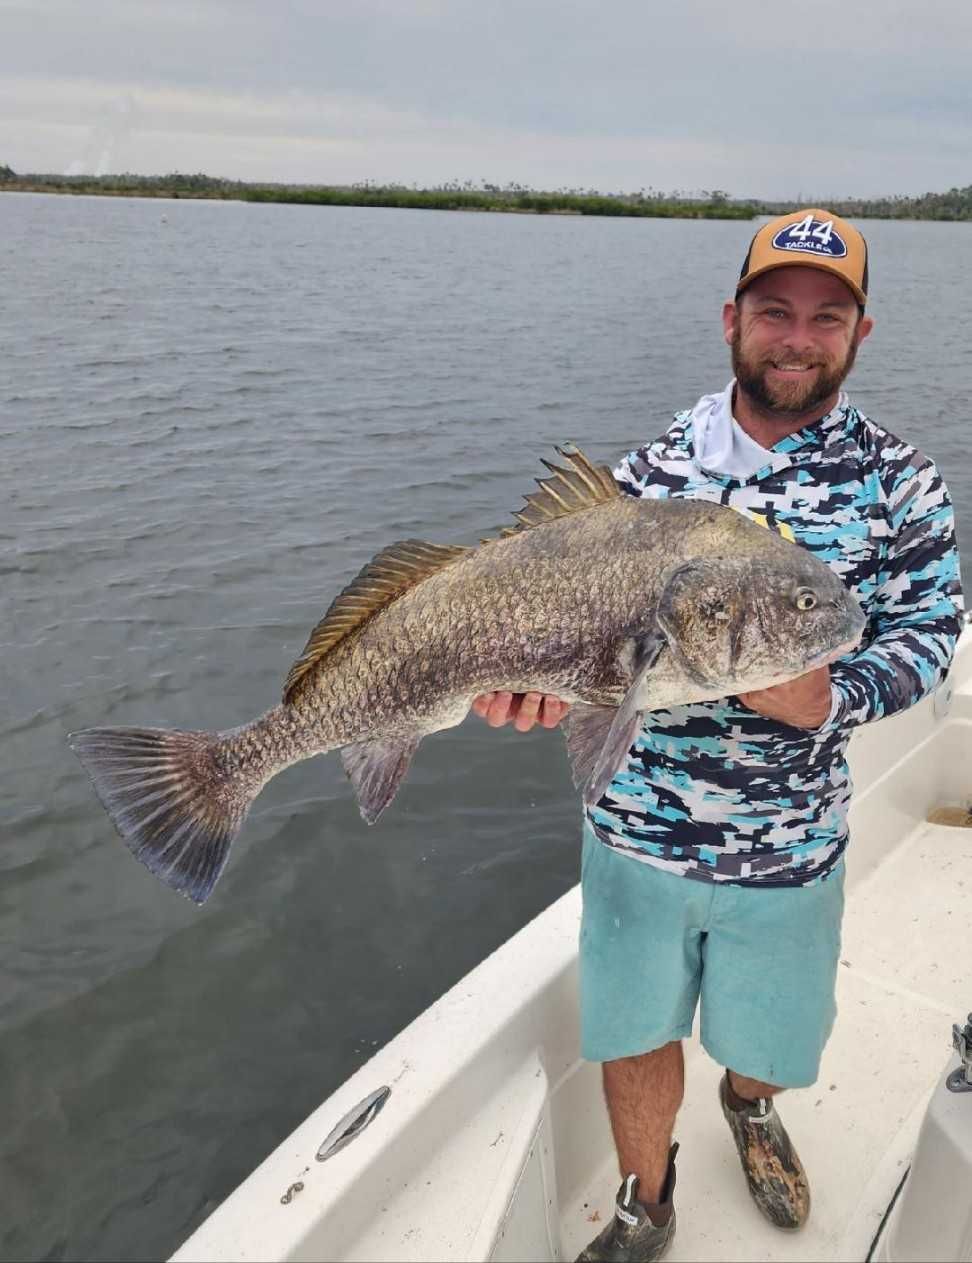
{"x":811,"y":236}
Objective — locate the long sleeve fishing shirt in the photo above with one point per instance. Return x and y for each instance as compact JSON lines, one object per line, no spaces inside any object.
{"x":718,"y":792}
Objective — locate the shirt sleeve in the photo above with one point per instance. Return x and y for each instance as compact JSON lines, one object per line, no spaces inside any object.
{"x":637,"y":475}
{"x":917,"y":614}
{"x":629,"y":474}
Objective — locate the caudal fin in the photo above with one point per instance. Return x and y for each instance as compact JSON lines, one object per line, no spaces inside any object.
{"x":169,"y":798}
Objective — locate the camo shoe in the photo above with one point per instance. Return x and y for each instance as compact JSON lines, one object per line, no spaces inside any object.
{"x":639,"y":1232}
{"x":774,"y":1172}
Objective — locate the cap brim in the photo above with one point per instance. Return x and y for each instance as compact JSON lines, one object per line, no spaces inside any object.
{"x":799,"y":260}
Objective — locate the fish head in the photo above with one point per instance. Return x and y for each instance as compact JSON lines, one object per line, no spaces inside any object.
{"x":738,"y":623}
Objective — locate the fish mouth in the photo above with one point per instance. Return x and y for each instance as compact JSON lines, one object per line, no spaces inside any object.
{"x":831,"y":655}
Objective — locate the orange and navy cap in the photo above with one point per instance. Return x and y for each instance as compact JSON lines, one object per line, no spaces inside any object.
{"x":809,"y":238}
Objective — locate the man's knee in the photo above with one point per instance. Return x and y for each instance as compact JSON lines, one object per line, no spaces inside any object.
{"x":747,"y":1089}
{"x":660,"y":1072}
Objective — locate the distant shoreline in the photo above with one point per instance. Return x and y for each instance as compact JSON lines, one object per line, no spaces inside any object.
{"x":955,"y":205}
{"x":515,"y":201}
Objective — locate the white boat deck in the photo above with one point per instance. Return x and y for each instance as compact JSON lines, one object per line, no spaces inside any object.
{"x":495,"y":1141}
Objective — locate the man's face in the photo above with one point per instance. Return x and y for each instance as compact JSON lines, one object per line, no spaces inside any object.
{"x":794,"y":333}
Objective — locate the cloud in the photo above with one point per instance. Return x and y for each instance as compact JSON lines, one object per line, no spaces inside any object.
{"x":757,"y":100}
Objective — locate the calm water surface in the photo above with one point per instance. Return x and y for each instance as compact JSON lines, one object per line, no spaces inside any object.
{"x":211,"y":415}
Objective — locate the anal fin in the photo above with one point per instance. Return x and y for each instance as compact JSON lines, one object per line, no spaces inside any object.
{"x":376,"y":769}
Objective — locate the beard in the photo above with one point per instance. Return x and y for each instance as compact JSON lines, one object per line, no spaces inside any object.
{"x":784,"y":400}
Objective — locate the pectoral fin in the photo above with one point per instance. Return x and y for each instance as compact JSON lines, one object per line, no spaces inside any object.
{"x":376,"y":769}
{"x":586,"y":728}
{"x":627,"y":718}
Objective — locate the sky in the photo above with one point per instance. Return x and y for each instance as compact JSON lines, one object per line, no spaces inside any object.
{"x":817,"y":98}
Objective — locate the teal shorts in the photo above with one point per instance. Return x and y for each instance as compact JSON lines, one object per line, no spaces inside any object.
{"x":762,"y":961}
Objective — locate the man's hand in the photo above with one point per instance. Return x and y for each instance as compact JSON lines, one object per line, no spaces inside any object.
{"x":802,"y":703}
{"x":522,"y":709}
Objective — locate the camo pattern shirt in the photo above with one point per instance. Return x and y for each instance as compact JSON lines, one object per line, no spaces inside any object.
{"x":717,"y":792}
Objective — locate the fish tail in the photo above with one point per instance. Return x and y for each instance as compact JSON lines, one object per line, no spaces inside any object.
{"x":175,"y":802}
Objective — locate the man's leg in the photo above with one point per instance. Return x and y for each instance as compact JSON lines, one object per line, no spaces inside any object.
{"x":768,"y":1006}
{"x":643,"y":1095}
{"x":774,"y":1173}
{"x":640,"y":965}
{"x":771,"y":1165}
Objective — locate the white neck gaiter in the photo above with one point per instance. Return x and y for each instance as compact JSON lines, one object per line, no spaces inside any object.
{"x":721,"y":445}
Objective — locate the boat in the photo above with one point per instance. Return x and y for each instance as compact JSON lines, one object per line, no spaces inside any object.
{"x":479,"y":1133}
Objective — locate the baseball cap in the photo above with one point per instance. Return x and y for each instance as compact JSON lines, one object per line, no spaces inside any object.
{"x":809,"y":238}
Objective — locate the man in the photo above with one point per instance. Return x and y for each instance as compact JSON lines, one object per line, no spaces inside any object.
{"x":747,"y":798}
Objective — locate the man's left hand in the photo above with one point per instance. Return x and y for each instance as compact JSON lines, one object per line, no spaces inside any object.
{"x":802,"y":703}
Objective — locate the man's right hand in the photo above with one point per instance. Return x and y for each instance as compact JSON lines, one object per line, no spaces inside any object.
{"x":523,"y":710}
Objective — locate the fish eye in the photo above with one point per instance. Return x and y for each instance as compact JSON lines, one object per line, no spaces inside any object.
{"x":805,"y":599}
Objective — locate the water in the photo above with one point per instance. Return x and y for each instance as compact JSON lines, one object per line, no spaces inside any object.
{"x":212,"y":415}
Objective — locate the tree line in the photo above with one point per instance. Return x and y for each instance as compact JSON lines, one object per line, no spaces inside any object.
{"x":956,"y":204}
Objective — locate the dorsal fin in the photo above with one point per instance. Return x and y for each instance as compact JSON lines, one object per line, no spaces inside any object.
{"x":389,"y":573}
{"x":582,"y":486}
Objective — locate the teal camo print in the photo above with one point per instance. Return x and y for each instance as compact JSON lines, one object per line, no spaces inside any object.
{"x":716,"y":792}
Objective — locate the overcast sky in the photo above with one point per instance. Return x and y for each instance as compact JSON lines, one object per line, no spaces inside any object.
{"x":790,"y":100}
